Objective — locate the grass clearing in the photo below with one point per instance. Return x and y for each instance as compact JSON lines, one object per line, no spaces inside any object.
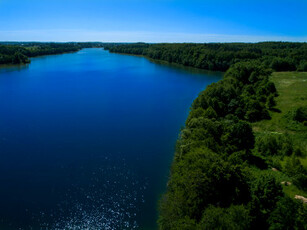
{"x":292,"y":90}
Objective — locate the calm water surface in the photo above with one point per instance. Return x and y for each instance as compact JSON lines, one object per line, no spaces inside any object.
{"x":87,"y":138}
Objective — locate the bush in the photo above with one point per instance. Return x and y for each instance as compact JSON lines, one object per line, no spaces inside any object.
{"x":302,"y":66}
{"x":266,"y":192}
{"x":295,"y":169}
{"x":300,"y":114}
{"x":271,"y":101}
{"x":274,"y":144}
{"x":232,"y":218}
{"x":283,"y":64}
{"x":288,"y":214}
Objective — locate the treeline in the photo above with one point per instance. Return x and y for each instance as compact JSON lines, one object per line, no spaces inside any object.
{"x":280,"y":56}
{"x":20,"y":53}
{"x":221,"y":177}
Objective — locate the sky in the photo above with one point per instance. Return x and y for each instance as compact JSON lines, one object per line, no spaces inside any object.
{"x":153,"y":20}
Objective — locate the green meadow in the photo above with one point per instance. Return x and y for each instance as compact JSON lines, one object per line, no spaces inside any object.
{"x":292,"y":94}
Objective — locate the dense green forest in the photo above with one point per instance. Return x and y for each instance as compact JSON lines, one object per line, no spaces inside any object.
{"x":240,"y":160}
{"x":222,"y":176}
{"x":280,"y":56}
{"x":20,"y":53}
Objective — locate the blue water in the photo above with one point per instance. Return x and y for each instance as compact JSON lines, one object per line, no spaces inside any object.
{"x":87,"y":138}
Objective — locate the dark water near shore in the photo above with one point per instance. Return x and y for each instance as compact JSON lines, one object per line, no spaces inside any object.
{"x":87,"y":138}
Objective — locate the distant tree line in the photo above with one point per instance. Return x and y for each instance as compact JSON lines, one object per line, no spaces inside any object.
{"x":20,"y":53}
{"x":280,"y":56}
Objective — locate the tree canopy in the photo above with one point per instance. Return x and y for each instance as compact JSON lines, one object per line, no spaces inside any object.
{"x":280,"y":56}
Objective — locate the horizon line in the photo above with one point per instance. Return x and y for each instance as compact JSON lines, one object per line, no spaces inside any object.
{"x":134,"y":42}
{"x":68,"y":35}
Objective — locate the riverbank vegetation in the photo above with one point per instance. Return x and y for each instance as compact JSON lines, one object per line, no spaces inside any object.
{"x":20,"y":53}
{"x":240,"y":160}
{"x":231,"y":172}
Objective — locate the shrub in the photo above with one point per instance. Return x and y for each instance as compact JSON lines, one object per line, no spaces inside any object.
{"x":288,"y":214}
{"x":295,"y":169}
{"x":300,"y":114}
{"x":232,"y":218}
{"x":283,"y":64}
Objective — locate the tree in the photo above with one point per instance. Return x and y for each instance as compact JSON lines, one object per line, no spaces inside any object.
{"x":266,"y":192}
{"x":238,"y":136}
{"x":19,"y":58}
{"x":289,"y":214}
{"x":199,"y":179}
{"x":236,"y":217}
{"x":283,"y":64}
{"x":295,"y":169}
{"x":271,"y":101}
{"x":300,"y":114}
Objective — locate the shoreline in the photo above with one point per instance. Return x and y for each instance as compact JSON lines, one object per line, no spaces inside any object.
{"x":171,"y":64}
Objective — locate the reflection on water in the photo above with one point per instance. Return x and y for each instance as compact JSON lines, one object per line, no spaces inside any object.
{"x":10,"y":68}
{"x":185,"y":69}
{"x":110,"y":200}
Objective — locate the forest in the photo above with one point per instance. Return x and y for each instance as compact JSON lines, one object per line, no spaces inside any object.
{"x":227,"y":176}
{"x":279,"y":56}
{"x":240,"y":161}
{"x":20,"y":53}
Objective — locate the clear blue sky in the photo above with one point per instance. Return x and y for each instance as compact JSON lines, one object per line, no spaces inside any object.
{"x":153,"y":20}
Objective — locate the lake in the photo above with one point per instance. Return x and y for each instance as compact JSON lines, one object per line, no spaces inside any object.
{"x":87,"y":139}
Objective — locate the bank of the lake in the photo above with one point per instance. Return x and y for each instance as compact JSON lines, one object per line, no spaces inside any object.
{"x":87,"y":138}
